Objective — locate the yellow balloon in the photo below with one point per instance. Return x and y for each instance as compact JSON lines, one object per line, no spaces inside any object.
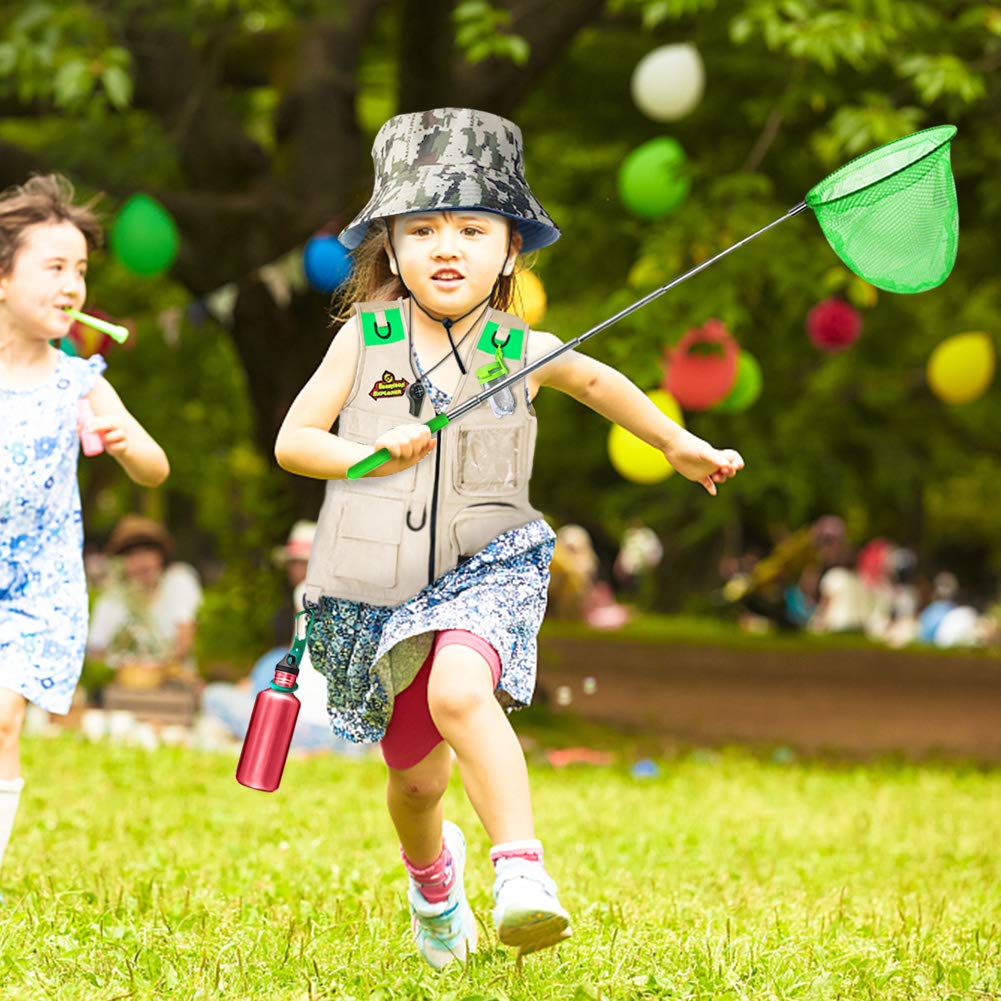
{"x":529,"y":298}
{"x":961,"y":367}
{"x":632,"y":457}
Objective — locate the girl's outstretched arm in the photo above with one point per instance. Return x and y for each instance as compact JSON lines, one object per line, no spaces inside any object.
{"x":609,"y":393}
{"x":125,"y":439}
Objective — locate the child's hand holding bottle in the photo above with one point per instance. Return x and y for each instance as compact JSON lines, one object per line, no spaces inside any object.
{"x":90,"y":441}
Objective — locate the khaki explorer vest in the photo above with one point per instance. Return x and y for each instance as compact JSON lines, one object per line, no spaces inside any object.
{"x":380,"y":539}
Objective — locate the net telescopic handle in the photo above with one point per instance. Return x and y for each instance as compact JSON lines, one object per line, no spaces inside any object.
{"x":604,"y":325}
{"x":437,"y":423}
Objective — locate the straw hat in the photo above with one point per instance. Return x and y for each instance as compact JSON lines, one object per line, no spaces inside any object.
{"x":134,"y":530}
{"x":452,"y":158}
{"x":298,"y":544}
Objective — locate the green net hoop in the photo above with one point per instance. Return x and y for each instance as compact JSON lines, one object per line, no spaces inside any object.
{"x":891,"y":215}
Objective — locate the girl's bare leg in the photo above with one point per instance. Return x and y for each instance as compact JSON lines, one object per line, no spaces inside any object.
{"x":414,"y":798}
{"x":12,"y":709}
{"x":491,"y":762}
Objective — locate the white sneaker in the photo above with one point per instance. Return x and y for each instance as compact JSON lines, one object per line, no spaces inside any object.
{"x":446,"y":930}
{"x":527,"y":914}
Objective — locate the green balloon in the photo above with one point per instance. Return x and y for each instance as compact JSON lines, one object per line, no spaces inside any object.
{"x":746,"y":387}
{"x":652,"y":179}
{"x":144,"y":237}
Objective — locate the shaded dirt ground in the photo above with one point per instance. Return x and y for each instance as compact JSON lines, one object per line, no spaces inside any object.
{"x":849,"y":702}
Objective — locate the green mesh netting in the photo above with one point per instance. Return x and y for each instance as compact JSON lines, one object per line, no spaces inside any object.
{"x":891,"y":215}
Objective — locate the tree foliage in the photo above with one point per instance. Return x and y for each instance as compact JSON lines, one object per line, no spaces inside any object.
{"x":252,"y":122}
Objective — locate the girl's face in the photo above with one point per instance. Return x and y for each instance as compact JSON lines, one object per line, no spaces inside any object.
{"x":450,"y":260}
{"x":49,"y":272}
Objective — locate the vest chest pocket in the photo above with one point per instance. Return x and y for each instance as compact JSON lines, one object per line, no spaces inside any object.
{"x":489,"y":461}
{"x":368,"y":540}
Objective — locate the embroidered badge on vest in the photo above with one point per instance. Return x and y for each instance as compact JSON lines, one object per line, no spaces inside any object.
{"x":509,"y":341}
{"x":388,"y":332}
{"x":388,"y":386}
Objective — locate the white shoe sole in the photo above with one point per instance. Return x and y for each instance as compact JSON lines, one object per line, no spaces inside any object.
{"x":532,"y":930}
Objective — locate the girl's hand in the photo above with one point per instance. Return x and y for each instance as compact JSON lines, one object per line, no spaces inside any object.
{"x":406,"y":444}
{"x":699,"y":461}
{"x":114,"y":431}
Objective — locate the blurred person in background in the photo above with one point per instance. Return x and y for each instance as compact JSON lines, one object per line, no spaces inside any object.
{"x":945,"y":587}
{"x":888,"y":573}
{"x":575,"y":588}
{"x":842,"y":602}
{"x":639,"y":554}
{"x":572,"y":573}
{"x":143,"y":622}
{"x":946,"y":623}
{"x":783,"y":588}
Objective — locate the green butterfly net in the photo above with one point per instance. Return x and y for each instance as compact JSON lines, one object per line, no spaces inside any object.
{"x":891,"y":215}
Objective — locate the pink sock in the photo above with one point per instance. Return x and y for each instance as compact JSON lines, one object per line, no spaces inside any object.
{"x":530,"y":849}
{"x":435,"y":880}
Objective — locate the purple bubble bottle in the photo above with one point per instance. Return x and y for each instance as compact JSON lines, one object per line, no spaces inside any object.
{"x":90,"y":441}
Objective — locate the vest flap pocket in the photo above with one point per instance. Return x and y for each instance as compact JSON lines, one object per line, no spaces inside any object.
{"x":368,"y":562}
{"x":368,"y":543}
{"x":476,"y":526}
{"x":490,"y":460}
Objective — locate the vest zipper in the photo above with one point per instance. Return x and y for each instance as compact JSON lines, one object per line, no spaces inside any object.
{"x":434,"y":509}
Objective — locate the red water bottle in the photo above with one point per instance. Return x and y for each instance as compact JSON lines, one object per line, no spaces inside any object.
{"x":272,"y":723}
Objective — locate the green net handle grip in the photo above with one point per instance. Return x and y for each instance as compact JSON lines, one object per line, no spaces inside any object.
{"x":380,"y":458}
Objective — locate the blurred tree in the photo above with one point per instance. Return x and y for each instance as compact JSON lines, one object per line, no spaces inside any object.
{"x":252,"y":121}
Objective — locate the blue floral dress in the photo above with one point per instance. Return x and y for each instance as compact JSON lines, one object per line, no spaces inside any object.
{"x":43,"y":592}
{"x":369,"y":654}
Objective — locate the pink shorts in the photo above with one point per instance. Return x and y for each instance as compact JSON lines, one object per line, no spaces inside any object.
{"x":411,"y":734}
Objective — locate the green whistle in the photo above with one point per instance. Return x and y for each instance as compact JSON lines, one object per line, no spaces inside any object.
{"x":113,"y":330}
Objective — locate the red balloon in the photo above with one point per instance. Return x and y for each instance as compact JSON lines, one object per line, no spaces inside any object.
{"x":701,"y":368}
{"x":833,"y":325}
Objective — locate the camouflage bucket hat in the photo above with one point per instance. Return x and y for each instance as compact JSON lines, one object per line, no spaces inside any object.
{"x":452,"y":158}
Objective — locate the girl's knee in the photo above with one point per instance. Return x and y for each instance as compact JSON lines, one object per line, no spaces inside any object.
{"x":12,"y":710}
{"x":460,"y":684}
{"x":10,"y":731}
{"x":423,"y":785}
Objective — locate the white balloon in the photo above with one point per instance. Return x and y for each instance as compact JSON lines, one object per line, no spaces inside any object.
{"x":668,"y":82}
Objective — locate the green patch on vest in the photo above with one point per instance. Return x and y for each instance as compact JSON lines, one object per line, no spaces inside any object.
{"x":490,"y":341}
{"x":388,"y":333}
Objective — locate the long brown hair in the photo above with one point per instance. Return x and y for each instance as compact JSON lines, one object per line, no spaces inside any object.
{"x":372,"y":281}
{"x":42,"y":198}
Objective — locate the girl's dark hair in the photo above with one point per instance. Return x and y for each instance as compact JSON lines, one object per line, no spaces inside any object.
{"x":42,"y":198}
{"x":372,"y":281}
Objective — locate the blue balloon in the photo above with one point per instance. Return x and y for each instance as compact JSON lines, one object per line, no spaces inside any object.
{"x":327,"y":263}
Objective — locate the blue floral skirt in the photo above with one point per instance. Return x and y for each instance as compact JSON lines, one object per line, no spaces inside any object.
{"x":369,"y":653}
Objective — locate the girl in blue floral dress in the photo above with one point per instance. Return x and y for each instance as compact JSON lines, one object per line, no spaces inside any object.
{"x":428,"y":578}
{"x":44,"y":242}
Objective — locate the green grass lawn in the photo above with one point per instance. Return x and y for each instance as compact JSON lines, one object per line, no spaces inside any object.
{"x":154,"y":875}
